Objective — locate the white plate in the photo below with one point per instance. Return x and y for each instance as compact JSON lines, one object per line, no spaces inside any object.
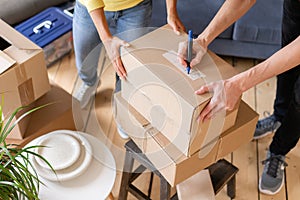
{"x":76,"y":169}
{"x":61,"y":151}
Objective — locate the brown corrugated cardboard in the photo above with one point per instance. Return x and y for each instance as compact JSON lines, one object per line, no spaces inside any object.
{"x":167,"y":158}
{"x":20,"y":128}
{"x":58,"y":115}
{"x":27,"y":79}
{"x":164,"y":94}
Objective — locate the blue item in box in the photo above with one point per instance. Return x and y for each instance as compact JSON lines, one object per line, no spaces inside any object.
{"x":51,"y":30}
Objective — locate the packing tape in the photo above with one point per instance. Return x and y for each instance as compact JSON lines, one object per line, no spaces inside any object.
{"x":26,"y":92}
{"x":21,"y":74}
{"x":25,"y":85}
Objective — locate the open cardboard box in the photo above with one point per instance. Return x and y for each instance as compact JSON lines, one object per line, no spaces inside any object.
{"x":58,"y":115}
{"x":159,"y":88}
{"x":167,"y":158}
{"x":23,"y":73}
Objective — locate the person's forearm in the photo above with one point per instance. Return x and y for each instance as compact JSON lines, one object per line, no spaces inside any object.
{"x":283,"y":60}
{"x":171,"y":6}
{"x":100,"y":22}
{"x":229,"y":12}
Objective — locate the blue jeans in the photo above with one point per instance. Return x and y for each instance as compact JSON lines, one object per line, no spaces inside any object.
{"x":287,"y":102}
{"x":86,"y":38}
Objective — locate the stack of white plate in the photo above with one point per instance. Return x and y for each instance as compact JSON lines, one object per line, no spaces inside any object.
{"x":68,"y":152}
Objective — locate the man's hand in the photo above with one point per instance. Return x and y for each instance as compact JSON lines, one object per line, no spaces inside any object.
{"x":225,"y":96}
{"x":199,"y":51}
{"x":112,"y":47}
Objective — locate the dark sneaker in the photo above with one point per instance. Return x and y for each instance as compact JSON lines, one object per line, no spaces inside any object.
{"x":272,"y":177}
{"x":266,"y":126}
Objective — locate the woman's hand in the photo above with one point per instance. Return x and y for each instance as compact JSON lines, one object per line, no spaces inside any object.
{"x":112,"y":47}
{"x":199,"y":50}
{"x":176,"y":24}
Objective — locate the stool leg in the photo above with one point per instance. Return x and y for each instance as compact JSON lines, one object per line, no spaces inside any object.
{"x":127,"y":169}
{"x":150,"y":184}
{"x":231,"y":187}
{"x":165,"y":189}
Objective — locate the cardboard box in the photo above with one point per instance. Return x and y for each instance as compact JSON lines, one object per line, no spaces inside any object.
{"x":58,"y":115}
{"x":167,"y":158}
{"x":159,"y":88}
{"x":24,"y":75}
{"x":21,"y":122}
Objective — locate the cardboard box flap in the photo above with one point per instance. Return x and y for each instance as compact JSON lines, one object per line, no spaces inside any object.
{"x":5,"y":62}
{"x":15,"y":38}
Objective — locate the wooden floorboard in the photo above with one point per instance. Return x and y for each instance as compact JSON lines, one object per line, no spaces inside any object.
{"x":66,"y":74}
{"x":100,"y":123}
{"x":293,"y":174}
{"x":245,"y":157}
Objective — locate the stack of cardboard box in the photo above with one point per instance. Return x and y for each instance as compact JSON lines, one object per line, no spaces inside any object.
{"x":24,"y":82}
{"x":158,"y":108}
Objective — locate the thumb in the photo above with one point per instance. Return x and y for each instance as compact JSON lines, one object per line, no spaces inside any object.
{"x":176,"y":31}
{"x":197,"y":59}
{"x":202,"y":90}
{"x":124,"y":43}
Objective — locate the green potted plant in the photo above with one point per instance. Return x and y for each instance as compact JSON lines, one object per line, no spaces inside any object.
{"x":18,"y":178}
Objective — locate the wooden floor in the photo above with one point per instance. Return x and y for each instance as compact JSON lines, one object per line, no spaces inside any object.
{"x":99,"y":119}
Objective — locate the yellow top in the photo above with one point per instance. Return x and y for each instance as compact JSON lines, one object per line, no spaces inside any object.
{"x":109,"y":5}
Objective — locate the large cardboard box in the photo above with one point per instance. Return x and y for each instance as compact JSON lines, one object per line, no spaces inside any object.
{"x":23,"y":73}
{"x":159,"y":88}
{"x":167,"y":158}
{"x":59,"y":114}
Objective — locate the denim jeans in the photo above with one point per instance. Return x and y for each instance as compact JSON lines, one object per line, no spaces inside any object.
{"x":287,"y":102}
{"x":86,"y":39}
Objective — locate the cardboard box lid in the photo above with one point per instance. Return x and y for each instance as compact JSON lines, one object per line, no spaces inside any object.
{"x":15,"y":38}
{"x":150,"y":52}
{"x":19,"y":49}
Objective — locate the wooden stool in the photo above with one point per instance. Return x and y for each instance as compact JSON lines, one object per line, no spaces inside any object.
{"x":221,"y":173}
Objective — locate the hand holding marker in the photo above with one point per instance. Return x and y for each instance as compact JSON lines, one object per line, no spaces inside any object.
{"x":189,"y":51}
